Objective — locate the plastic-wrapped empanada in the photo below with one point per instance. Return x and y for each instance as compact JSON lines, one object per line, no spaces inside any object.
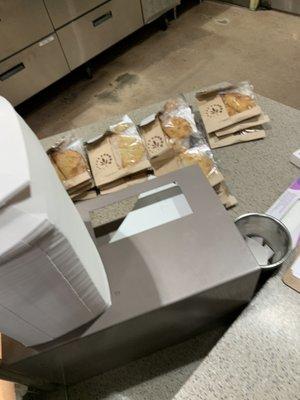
{"x":70,"y":163}
{"x":236,"y":102}
{"x":131,"y":150}
{"x":177,"y":121}
{"x":197,"y":156}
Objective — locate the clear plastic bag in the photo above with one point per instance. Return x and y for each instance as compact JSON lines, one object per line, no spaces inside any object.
{"x":127,"y":142}
{"x":178,"y":123}
{"x":157,"y":143}
{"x":238,"y":98}
{"x":70,"y":162}
{"x":227,"y":199}
{"x":186,"y":134}
{"x":201,"y":156}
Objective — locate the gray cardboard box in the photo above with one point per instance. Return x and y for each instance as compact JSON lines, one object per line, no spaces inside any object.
{"x":167,"y":283}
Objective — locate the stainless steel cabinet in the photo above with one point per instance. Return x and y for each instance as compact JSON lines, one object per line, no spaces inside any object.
{"x":74,"y":31}
{"x":152,"y":9}
{"x":243,"y":3}
{"x":64,"y":11}
{"x":32,"y":69}
{"x":22,"y":22}
{"x":99,"y":29}
{"x":291,"y":6}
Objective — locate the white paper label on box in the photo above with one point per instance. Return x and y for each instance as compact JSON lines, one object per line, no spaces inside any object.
{"x":287,"y":209}
{"x":296,"y":268}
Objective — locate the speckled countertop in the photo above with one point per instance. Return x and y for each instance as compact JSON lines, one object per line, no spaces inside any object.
{"x":257,"y":357}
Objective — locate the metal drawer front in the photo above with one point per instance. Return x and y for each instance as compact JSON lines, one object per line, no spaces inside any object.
{"x":64,"y":11}
{"x":99,"y":29}
{"x":152,"y":9}
{"x":243,"y":3}
{"x":291,"y":6}
{"x":22,"y":22}
{"x":32,"y":69}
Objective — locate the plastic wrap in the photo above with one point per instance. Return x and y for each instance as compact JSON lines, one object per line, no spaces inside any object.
{"x":187,"y":140}
{"x":202,"y":156}
{"x":69,"y":160}
{"x":227,"y":199}
{"x":157,"y":143}
{"x":118,"y":153}
{"x":224,"y":105}
{"x":127,"y":142}
{"x":238,"y":98}
{"x":178,"y":123}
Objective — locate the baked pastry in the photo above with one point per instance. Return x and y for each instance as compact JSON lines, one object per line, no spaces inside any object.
{"x":237,"y":102}
{"x":231,"y":111}
{"x":173,"y":104}
{"x":59,"y":173}
{"x":121,"y":127}
{"x":131,"y":150}
{"x":70,"y":163}
{"x":192,"y":158}
{"x":177,"y":128}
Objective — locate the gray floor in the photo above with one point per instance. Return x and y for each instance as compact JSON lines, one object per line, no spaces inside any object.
{"x":208,"y":43}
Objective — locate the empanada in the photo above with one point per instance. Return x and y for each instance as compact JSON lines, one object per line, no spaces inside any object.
{"x":237,"y":102}
{"x":121,"y":127}
{"x":177,"y":128}
{"x":203,"y":160}
{"x":131,"y":150}
{"x":69,"y":162}
{"x":59,"y":173}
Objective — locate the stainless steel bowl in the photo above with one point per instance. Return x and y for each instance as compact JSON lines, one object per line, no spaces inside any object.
{"x":273,"y":231}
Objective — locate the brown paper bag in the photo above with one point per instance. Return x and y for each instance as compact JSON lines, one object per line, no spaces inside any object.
{"x":163,"y":167}
{"x":124,"y":183}
{"x":69,"y":159}
{"x":225,"y":105}
{"x":87,"y":195}
{"x":238,"y":137}
{"x":292,"y":275}
{"x":249,"y":123}
{"x":156,"y":141}
{"x":106,"y":163}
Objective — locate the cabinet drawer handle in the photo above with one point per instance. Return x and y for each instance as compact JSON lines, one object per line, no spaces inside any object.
{"x":102,"y":19}
{"x":12,"y":71}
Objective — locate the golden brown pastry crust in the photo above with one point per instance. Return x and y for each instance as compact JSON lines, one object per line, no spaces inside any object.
{"x":131,"y":150}
{"x":237,"y":102}
{"x":177,"y":128}
{"x":202,"y":159}
{"x":69,"y":162}
{"x":121,"y":127}
{"x":59,"y":173}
